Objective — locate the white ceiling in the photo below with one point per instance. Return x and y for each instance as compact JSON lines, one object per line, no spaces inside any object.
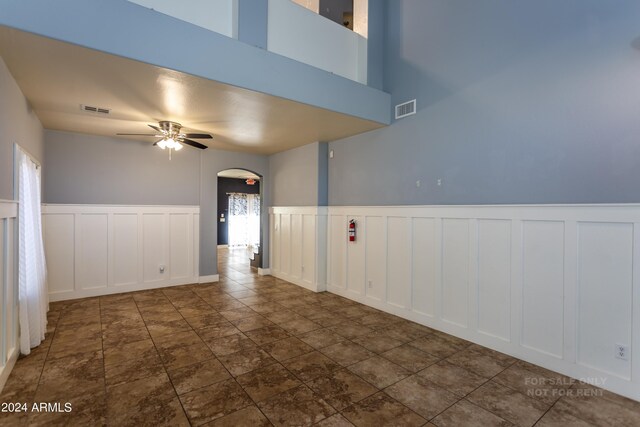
{"x":238,"y":173}
{"x":58,"y":77}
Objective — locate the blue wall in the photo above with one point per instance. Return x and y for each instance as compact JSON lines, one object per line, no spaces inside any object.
{"x":518,"y":102}
{"x":376,"y":43}
{"x":91,"y":169}
{"x":299,"y":176}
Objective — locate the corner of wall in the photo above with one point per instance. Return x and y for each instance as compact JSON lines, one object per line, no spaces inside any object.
{"x":20,"y":126}
{"x":323,"y":173}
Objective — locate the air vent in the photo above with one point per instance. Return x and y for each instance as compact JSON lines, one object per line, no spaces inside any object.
{"x":405,"y":109}
{"x":92,"y":109}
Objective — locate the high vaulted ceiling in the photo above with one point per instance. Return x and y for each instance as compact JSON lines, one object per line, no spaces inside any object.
{"x":57,"y":77}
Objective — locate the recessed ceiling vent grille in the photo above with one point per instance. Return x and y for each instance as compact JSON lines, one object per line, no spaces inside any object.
{"x":406,"y":109}
{"x":92,"y":109}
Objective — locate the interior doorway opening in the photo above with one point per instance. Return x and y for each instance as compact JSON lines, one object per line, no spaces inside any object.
{"x":239,"y":218}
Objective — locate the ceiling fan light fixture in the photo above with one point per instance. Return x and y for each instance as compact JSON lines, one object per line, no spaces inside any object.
{"x":172,"y":138}
{"x":170,"y":143}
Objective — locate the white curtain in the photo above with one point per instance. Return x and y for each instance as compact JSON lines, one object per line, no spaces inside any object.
{"x":254,"y":220}
{"x":32,"y":271}
{"x":244,"y":219}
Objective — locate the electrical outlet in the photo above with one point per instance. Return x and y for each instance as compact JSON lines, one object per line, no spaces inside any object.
{"x":439,"y":182}
{"x":418,"y":184}
{"x":370,"y":284}
{"x":622,"y":352}
{"x":161,"y":268}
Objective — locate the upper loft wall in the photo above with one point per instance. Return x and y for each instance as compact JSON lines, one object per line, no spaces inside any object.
{"x":123,"y":28}
{"x":518,"y":102}
{"x":219,"y":16}
{"x":87,"y":169}
{"x":299,"y":33}
{"x":19,"y":126}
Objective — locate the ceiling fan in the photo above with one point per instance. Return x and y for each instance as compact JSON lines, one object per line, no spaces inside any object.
{"x":171,"y":137}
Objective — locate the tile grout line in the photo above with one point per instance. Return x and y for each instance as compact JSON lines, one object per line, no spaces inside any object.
{"x":242,"y":388}
{"x":104,"y":367}
{"x":44,"y":363}
{"x":517,"y":391}
{"x":162,"y":362}
{"x":380,"y":390}
{"x":475,"y":389}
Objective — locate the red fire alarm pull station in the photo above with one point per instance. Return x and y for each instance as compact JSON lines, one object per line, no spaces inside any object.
{"x":352,"y":230}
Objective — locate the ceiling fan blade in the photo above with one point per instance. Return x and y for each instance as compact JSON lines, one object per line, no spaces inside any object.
{"x":193,"y":143}
{"x":140,"y":134}
{"x":198,"y":135}
{"x":155,"y":128}
{"x":156,"y":143}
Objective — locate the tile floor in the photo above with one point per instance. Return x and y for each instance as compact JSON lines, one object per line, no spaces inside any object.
{"x":254,"y":351}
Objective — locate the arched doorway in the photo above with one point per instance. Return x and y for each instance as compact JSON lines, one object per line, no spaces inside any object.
{"x":239,"y":219}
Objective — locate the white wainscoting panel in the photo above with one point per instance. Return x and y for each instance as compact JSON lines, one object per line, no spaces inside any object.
{"x":180,"y":247}
{"x":556,"y":285}
{"x":605,"y":281}
{"x":375,"y":256}
{"x":399,"y":256}
{"x":296,"y":247}
{"x":455,"y":271}
{"x":356,"y":282}
{"x":274,"y":225}
{"x":104,"y":249}
{"x":125,"y":249}
{"x":543,"y":286}
{"x":92,"y":248}
{"x":59,"y":246}
{"x":424,"y":256}
{"x":285,"y":244}
{"x":494,"y":277}
{"x":196,"y":243}
{"x":338,"y":263}
{"x":8,"y":289}
{"x":299,"y":245}
{"x":308,"y":250}
{"x":154,"y":246}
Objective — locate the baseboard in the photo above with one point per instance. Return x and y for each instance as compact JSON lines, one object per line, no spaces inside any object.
{"x":88,"y":293}
{"x":6,"y":369}
{"x":209,"y":279}
{"x":314,"y":287}
{"x":223,"y":246}
{"x":120,"y":289}
{"x":264,"y":271}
